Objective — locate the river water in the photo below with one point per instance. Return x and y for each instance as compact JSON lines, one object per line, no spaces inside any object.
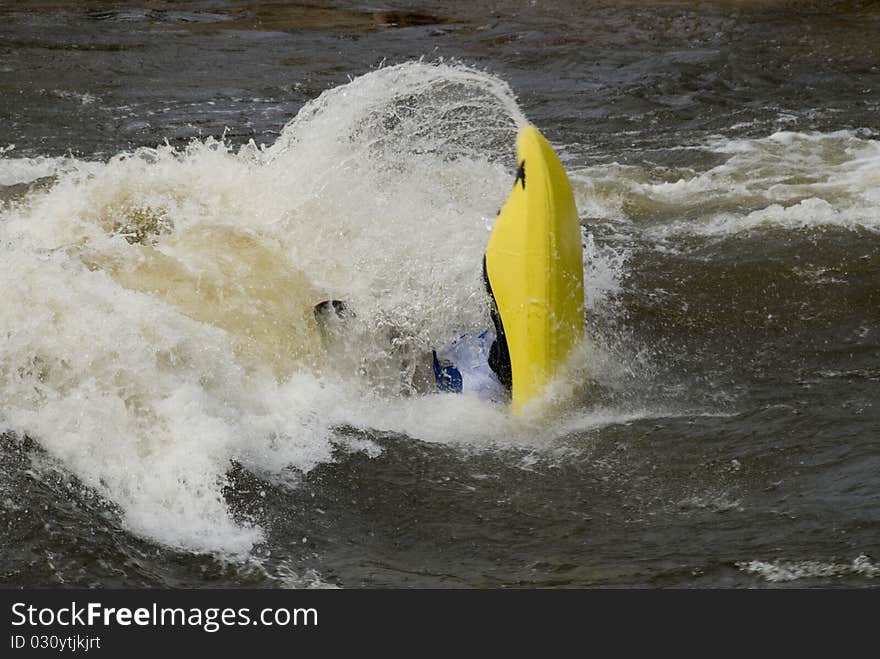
{"x":180,"y":182}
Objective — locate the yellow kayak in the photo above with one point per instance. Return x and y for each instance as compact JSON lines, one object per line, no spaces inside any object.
{"x":534,"y":272}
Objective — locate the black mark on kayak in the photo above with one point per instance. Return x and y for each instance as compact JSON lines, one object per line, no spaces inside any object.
{"x":521,"y":174}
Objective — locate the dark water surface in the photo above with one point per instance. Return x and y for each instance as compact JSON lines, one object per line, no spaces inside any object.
{"x":726,"y":163}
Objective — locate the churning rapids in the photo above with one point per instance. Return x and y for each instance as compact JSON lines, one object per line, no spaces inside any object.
{"x":170,"y":417}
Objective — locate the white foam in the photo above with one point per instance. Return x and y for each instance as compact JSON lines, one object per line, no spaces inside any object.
{"x":784,"y":571}
{"x":805,"y":214}
{"x":604,"y":266}
{"x":787,"y":180}
{"x":15,"y":171}
{"x":83,"y":98}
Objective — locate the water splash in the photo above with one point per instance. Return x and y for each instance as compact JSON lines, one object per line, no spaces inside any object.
{"x":157,"y":313}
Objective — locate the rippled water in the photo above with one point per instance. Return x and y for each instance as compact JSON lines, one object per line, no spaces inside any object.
{"x":179,"y":184}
